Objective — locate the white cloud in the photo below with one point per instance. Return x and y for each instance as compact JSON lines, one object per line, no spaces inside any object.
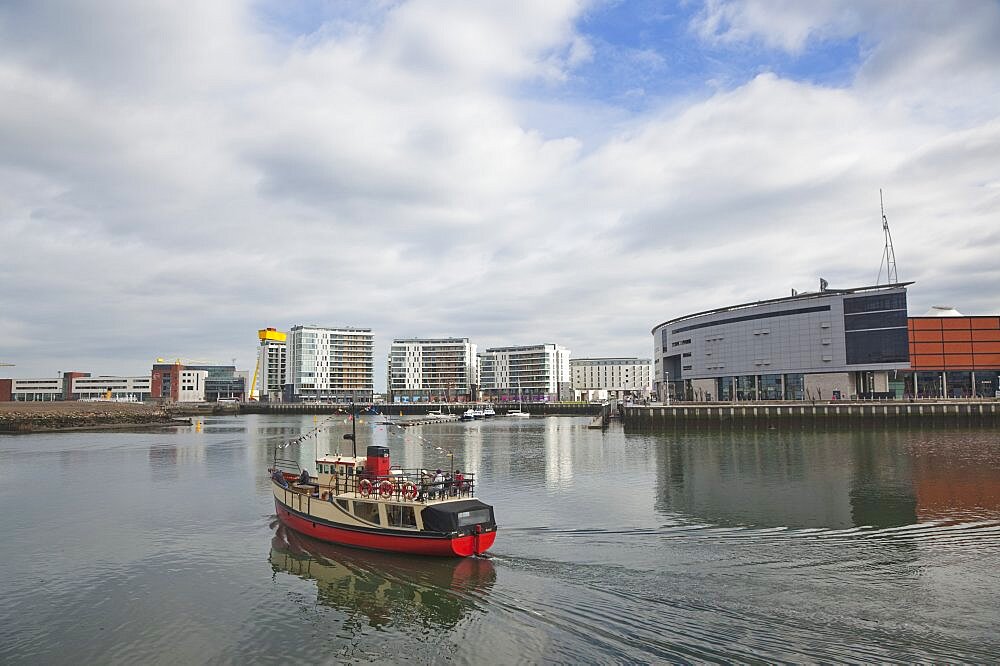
{"x":172,"y":178}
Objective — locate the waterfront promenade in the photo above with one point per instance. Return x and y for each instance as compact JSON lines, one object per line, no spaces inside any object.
{"x":771,"y":414}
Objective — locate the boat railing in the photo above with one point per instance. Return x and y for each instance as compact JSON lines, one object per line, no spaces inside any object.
{"x":402,"y":485}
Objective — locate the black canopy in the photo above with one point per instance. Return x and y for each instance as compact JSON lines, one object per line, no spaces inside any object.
{"x":458,"y":516}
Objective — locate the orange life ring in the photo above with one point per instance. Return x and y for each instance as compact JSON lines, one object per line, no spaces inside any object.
{"x":409,"y":491}
{"x":365,"y":487}
{"x":385,"y":489}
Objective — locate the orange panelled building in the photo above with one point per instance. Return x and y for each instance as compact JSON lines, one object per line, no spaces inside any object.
{"x":958,"y":354}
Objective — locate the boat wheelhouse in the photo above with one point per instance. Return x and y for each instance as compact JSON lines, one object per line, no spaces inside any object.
{"x":367,"y":503}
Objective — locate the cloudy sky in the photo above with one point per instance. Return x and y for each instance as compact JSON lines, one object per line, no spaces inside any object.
{"x":174,"y":176}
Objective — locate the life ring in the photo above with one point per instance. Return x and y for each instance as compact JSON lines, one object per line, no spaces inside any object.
{"x":365,"y":487}
{"x":385,"y":489}
{"x":409,"y":491}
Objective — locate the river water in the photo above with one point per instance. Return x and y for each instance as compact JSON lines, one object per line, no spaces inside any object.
{"x":766,"y":546}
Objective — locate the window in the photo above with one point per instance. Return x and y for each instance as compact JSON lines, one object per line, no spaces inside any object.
{"x":400,"y":516}
{"x":342,"y":503}
{"x":880,"y":346}
{"x":367,"y":511}
{"x":875,"y":303}
{"x":467,"y":518}
{"x":860,"y":322}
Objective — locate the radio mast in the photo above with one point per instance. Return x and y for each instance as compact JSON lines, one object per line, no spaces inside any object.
{"x":888,"y":255}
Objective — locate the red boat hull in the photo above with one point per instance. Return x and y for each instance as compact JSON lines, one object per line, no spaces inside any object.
{"x":414,"y":544}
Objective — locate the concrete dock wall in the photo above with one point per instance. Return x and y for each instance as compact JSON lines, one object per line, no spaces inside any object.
{"x":832,"y":413}
{"x":418,"y":409}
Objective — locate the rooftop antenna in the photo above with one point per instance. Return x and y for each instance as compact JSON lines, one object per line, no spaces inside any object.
{"x":888,"y":255}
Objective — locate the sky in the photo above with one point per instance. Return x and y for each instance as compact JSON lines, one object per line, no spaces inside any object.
{"x":176,"y":175}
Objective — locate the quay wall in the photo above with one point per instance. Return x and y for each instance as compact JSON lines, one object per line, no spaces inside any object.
{"x":957,"y":413}
{"x":418,"y":409}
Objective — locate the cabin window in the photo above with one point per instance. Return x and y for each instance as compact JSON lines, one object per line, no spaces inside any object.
{"x":467,"y":518}
{"x":366,"y":511}
{"x":342,"y":503}
{"x":400,"y":516}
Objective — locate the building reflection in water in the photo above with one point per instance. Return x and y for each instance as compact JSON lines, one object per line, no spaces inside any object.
{"x":802,"y":479}
{"x":382,"y":588}
{"x":559,"y":453}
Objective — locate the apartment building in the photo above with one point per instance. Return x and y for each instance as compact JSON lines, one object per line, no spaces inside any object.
{"x":535,"y":373}
{"x":603,"y":378}
{"x":432,"y":370}
{"x":329,"y":364}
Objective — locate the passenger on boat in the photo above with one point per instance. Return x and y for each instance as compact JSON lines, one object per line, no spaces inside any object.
{"x":438,"y":484}
{"x":304,"y":476}
{"x":459,"y":482}
{"x":425,"y":480}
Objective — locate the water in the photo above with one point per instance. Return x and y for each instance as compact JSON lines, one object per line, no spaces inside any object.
{"x":162,"y":547}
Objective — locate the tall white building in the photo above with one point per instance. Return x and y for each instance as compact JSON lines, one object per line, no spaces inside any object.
{"x":532,"y":372}
{"x":602,"y":378}
{"x":330,"y":364}
{"x":432,"y":370}
{"x":272,"y":369}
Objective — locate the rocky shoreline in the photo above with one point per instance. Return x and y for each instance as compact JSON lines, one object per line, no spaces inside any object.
{"x":23,"y":418}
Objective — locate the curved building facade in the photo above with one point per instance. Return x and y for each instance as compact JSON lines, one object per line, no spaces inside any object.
{"x":831,"y":344}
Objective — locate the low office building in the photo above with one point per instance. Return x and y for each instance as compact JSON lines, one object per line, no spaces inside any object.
{"x":173,"y":382}
{"x":604,"y":378}
{"x":76,"y":386}
{"x":831,"y":344}
{"x":432,"y":370}
{"x":176,"y":382}
{"x":110,"y":387}
{"x":330,"y":364}
{"x":536,"y":373}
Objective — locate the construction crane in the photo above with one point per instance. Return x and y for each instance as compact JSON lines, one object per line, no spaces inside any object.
{"x":7,"y":365}
{"x":186,"y":361}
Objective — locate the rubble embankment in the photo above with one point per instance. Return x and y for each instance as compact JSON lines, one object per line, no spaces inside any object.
{"x":28,"y":417}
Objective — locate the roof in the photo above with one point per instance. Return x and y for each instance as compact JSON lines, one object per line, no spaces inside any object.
{"x":943,"y":311}
{"x":809,"y":295}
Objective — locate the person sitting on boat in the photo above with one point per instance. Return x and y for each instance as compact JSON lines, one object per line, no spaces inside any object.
{"x":438,"y":484}
{"x":304,"y":476}
{"x":279,"y":478}
{"x":459,"y":482}
{"x":425,"y":480}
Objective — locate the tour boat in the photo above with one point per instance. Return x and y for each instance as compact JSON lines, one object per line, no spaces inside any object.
{"x":488,"y":412}
{"x":367,"y":503}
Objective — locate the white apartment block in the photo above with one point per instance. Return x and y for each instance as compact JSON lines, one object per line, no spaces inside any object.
{"x":432,"y":370}
{"x":330,"y":364}
{"x":603,"y":378}
{"x":532,"y":373}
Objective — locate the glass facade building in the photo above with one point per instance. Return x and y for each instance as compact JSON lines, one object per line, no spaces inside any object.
{"x":830,"y":344}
